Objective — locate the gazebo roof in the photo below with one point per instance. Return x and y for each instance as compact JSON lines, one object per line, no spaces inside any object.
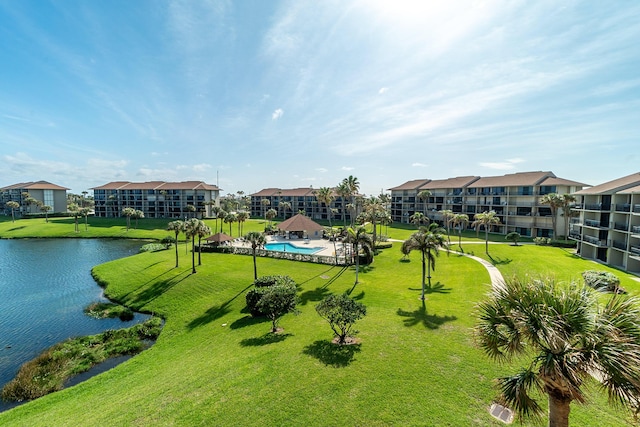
{"x":219,"y":238}
{"x":299,"y":222}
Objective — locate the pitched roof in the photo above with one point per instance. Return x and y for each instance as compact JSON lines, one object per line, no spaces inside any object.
{"x":512,"y":180}
{"x":37,"y":185}
{"x":561,"y":181}
{"x":457,"y":182}
{"x":157,"y":185}
{"x":631,"y":190}
{"x":411,"y":185}
{"x":299,"y":222}
{"x":610,"y":187}
{"x":285,"y":192}
{"x":219,"y":238}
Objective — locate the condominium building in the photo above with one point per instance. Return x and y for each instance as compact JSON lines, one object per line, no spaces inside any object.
{"x":44,"y":192}
{"x":157,"y":199}
{"x":299,"y":199}
{"x":514,"y":197}
{"x":608,"y":226}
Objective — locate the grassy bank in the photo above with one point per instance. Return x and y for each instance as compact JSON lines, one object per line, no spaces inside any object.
{"x":215,"y":365}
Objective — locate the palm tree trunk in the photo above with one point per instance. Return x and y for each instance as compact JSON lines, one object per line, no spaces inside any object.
{"x":559,"y":409}
{"x":176,"y":242}
{"x":357,"y":263}
{"x":199,"y":250}
{"x":429,"y":268}
{"x":193,"y":254}
{"x":486,"y":240}
{"x":423,"y":275}
{"x":255,"y":267}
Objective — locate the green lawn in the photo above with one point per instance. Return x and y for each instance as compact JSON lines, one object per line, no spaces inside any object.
{"x":214,"y":365}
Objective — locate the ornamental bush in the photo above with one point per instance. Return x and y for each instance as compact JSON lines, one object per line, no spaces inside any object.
{"x":341,"y":312}
{"x":602,"y":281}
{"x":261,"y":285}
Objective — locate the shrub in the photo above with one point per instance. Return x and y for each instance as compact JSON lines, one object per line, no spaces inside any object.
{"x":278,"y":300}
{"x":514,"y":236}
{"x":542,"y":241}
{"x":168,"y":241}
{"x":384,"y":245}
{"x":341,"y":312}
{"x":153,"y":247}
{"x":602,"y":281}
{"x":261,"y":285}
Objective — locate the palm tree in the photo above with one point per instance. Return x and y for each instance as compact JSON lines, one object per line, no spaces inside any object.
{"x":566,"y":200}
{"x":486,"y":220}
{"x":353,"y":185}
{"x":13,"y":206}
{"x":425,"y":240}
{"x":424,"y":196}
{"x":164,"y":193}
{"x":191,"y":209}
{"x":137,"y":214}
{"x":270,"y":215}
{"x":242,"y":216}
{"x":220,"y":214}
{"x":325,"y":196}
{"x":230,"y":218}
{"x":373,"y":212}
{"x":176,"y":227}
{"x":418,"y":218}
{"x":202,"y":230}
{"x":74,"y":210}
{"x":447,"y":216}
{"x":111,"y":201}
{"x":460,"y":221}
{"x":265,"y":203}
{"x":358,"y":238}
{"x":45,"y":208}
{"x":257,"y":240}
{"x":572,"y":339}
{"x":554,"y":201}
{"x":191,"y":231}
{"x":343,"y":191}
{"x":128,"y":213}
{"x":285,"y":207}
{"x":85,"y":213}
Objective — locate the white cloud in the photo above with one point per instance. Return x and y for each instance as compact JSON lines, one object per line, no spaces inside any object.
{"x":277,"y":114}
{"x":202,"y":167}
{"x":383,"y":90}
{"x":418,"y":165}
{"x":346,"y":168}
{"x":508,"y":164}
{"x":323,"y":170}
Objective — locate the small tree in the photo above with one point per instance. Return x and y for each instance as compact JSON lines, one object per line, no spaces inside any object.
{"x":514,"y":236}
{"x":46,"y":209}
{"x":13,"y":206}
{"x":342,"y":313}
{"x":276,"y":301}
{"x":128,"y":213}
{"x":602,"y":281}
{"x":167,"y":241}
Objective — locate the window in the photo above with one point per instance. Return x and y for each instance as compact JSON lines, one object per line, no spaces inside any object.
{"x":48,"y":197}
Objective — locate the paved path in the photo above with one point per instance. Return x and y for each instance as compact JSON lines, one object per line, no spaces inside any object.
{"x":497,"y":281}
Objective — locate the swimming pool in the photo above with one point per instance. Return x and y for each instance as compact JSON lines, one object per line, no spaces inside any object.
{"x":288,"y":247}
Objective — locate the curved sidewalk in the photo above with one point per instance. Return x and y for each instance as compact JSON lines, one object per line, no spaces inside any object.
{"x":497,"y":281}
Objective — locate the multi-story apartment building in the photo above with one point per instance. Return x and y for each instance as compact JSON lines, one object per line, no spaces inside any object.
{"x":608,"y":226}
{"x":300,"y":199}
{"x":157,"y":199}
{"x":42,"y":191}
{"x":514,"y":197}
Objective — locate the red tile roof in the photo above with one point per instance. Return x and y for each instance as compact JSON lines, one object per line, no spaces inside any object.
{"x":157,"y":185}
{"x":37,"y":185}
{"x":457,"y":182}
{"x":411,"y":185}
{"x":614,"y":186}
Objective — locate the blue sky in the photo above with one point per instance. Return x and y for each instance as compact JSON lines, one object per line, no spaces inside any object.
{"x":299,"y":93}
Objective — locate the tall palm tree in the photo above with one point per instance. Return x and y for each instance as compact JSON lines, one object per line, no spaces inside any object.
{"x":242,"y":216}
{"x":222,"y":215}
{"x":85,"y":213}
{"x":426,"y":240}
{"x":128,"y":213}
{"x":191,"y":209}
{"x":486,"y":220}
{"x":285,"y":206}
{"x":353,"y":186}
{"x":447,"y":216}
{"x":460,"y":221}
{"x":13,"y":205}
{"x":163,"y":193}
{"x":566,"y":200}
{"x":359,"y":239}
{"x":343,"y":191}
{"x":554,"y":201}
{"x":191,"y":231}
{"x":418,"y":219}
{"x":256,"y":240}
{"x":265,"y":204}
{"x":325,"y":196}
{"x":230,"y":218}
{"x":571,"y":338}
{"x":74,"y":210}
{"x":202,"y":230}
{"x":176,"y":227}
{"x":373,"y":212}
{"x":270,"y":215}
{"x":424,"y":196}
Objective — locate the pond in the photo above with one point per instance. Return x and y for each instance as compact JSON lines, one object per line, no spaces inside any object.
{"x":44,"y":286}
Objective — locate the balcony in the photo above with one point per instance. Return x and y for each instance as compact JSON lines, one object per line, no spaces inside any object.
{"x":636,"y":208}
{"x":592,"y":223}
{"x":575,"y":236}
{"x":622,"y":207}
{"x":597,"y":207}
{"x":635,"y":250}
{"x":595,"y":241}
{"x":619,"y":245}
{"x":621,"y":226}
{"x":635,"y":229}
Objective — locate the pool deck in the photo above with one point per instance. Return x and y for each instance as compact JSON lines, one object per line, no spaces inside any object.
{"x":326,"y":245}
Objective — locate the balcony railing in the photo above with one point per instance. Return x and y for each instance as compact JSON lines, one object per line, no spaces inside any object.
{"x":623,"y":207}
{"x":635,"y":229}
{"x":619,"y":245}
{"x":636,"y":208}
{"x":575,"y":236}
{"x":621,"y":226}
{"x":597,"y":207}
{"x":591,"y":223}
{"x":595,"y":241}
{"x":635,"y":250}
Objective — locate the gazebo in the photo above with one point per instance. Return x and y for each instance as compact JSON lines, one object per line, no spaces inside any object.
{"x":302,"y":227}
{"x":218,"y":239}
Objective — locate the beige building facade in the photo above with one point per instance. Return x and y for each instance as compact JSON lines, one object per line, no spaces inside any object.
{"x":44,"y":192}
{"x":514,"y":197}
{"x":607,"y":228}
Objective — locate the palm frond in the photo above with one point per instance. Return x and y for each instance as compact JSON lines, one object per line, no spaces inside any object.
{"x":515,"y":393}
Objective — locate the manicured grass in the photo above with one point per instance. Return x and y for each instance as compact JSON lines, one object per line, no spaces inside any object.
{"x":215,"y":365}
